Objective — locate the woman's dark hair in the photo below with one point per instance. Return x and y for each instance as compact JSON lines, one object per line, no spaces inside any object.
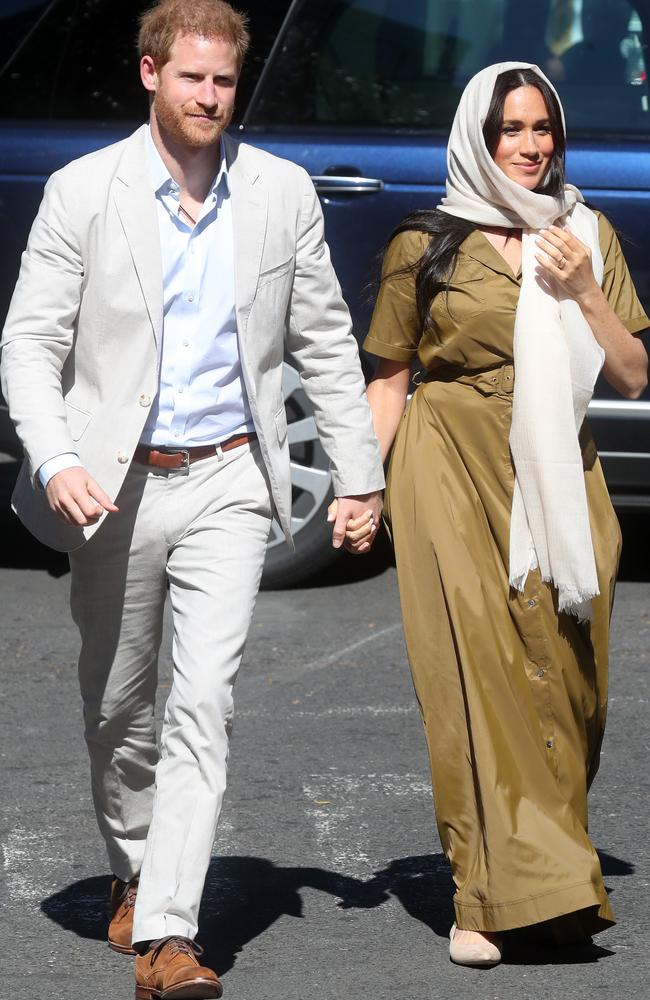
{"x":446,"y":232}
{"x":553,"y":181}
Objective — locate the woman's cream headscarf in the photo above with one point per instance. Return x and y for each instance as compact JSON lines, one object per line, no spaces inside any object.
{"x":556,"y":357}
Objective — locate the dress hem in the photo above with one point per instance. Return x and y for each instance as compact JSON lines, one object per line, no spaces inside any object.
{"x":506,"y":916}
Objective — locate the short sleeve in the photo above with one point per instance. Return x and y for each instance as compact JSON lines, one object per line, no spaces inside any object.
{"x":395,"y":329}
{"x":617,"y":282}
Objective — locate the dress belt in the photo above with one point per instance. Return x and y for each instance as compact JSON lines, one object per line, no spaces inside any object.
{"x":182,"y":458}
{"x":489,"y":381}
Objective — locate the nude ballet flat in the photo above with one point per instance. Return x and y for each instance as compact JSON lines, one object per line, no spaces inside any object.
{"x":480,"y":954}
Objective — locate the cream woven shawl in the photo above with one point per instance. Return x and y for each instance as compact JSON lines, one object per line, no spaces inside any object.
{"x":556,"y":359}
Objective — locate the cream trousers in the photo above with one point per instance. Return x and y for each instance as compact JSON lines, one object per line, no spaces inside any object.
{"x":204,"y":532}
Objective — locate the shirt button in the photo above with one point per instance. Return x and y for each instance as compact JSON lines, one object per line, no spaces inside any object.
{"x":177,"y":434}
{"x":186,"y":343}
{"x":122,"y":457}
{"x":180,"y":388}
{"x":144,"y":400}
{"x":190,"y":297}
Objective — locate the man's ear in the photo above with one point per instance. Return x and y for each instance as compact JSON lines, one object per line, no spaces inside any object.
{"x":148,"y":74}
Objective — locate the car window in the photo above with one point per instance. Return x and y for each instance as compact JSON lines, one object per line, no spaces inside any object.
{"x":77,"y":59}
{"x":404,"y":63}
{"x":16,"y":18}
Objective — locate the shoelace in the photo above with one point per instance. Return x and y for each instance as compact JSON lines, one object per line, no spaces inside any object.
{"x":130,"y":895}
{"x":178,"y":946}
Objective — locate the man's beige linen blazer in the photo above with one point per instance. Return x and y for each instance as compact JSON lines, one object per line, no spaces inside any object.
{"x":81,"y":345}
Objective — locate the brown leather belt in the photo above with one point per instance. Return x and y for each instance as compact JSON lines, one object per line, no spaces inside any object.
{"x":182,"y":458}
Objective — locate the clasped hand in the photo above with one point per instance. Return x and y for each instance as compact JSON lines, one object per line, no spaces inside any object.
{"x":356,"y":521}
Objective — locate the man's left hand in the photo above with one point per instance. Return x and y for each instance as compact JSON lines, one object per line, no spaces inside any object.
{"x":342,"y":510}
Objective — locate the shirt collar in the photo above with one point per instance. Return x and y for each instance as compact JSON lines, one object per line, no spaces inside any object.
{"x":162,"y":181}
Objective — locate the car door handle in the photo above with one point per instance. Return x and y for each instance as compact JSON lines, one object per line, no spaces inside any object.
{"x":331,"y":184}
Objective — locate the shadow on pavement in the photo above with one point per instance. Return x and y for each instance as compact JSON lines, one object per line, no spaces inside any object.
{"x":522,"y":952}
{"x":614,"y":866}
{"x":244,"y":896}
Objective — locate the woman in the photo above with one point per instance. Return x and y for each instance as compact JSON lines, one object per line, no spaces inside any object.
{"x":506,"y":542}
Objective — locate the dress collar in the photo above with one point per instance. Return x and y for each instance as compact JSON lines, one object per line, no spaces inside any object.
{"x":479,"y":248}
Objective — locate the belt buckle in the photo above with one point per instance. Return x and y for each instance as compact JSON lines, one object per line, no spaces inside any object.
{"x":185,"y":464}
{"x":506,"y":379}
{"x":185,"y":459}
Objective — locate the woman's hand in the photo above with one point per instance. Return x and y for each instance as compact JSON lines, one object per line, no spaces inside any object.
{"x":360,"y":532}
{"x":568,"y":261}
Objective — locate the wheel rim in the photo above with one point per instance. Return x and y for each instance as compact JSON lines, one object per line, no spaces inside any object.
{"x":310,"y":475}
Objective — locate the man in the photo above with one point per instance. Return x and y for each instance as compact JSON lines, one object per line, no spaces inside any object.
{"x":164,"y":278}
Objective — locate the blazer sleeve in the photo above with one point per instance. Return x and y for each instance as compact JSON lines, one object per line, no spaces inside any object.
{"x":323,"y":347}
{"x":39,"y":329}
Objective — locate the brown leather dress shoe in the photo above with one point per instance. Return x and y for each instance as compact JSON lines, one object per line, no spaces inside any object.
{"x":120,"y":929}
{"x":170,"y":971}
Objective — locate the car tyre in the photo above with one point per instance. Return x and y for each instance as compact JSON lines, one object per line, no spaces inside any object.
{"x":311,"y":495}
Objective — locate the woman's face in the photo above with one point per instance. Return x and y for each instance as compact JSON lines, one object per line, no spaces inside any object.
{"x":525,"y":146}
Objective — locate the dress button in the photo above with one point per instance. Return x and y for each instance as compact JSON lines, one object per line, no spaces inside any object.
{"x":549,"y":744}
{"x":144,"y":400}
{"x":122,"y":457}
{"x":541,"y":672}
{"x":531,"y":604}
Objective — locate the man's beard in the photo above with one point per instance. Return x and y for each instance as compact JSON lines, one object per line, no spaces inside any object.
{"x":190,"y":131}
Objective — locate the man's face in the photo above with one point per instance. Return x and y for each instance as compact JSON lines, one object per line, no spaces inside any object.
{"x":194,"y":92}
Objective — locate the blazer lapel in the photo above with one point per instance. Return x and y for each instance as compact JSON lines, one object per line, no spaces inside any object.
{"x":136,"y":207}
{"x":249,"y":221}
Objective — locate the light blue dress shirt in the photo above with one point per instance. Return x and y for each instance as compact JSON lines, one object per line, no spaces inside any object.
{"x":201,"y":397}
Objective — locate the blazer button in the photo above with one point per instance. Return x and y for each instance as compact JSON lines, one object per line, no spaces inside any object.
{"x":144,"y":400}
{"x":122,"y":457}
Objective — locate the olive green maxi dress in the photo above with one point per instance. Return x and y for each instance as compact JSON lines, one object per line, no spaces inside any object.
{"x":513,"y":695}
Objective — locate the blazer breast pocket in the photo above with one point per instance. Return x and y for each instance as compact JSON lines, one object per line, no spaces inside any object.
{"x":77,"y":420}
{"x":271,"y":274}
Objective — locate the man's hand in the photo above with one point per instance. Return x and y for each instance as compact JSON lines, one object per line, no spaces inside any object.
{"x":356,"y":520}
{"x":76,"y":498}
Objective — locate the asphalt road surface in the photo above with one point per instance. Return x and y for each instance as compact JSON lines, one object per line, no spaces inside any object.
{"x":327,"y":879}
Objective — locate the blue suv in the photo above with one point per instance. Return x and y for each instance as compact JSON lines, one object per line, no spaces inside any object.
{"x":362,"y":94}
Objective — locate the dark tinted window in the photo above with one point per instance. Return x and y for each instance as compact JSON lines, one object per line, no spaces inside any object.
{"x":403,"y":63}
{"x":77,"y":59}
